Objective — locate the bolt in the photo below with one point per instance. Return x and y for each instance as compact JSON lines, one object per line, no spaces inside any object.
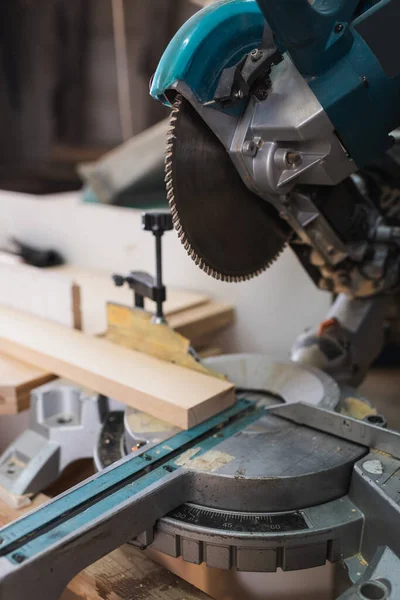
{"x":375,"y":467}
{"x":19,"y":558}
{"x":239,"y":95}
{"x":339,"y":28}
{"x":256,"y":54}
{"x":250,"y":148}
{"x":169,"y":468}
{"x":261,"y":94}
{"x":365,"y":81}
{"x":293,"y":159}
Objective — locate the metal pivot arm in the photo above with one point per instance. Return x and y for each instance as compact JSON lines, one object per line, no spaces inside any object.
{"x":315,"y":34}
{"x":44,"y":550}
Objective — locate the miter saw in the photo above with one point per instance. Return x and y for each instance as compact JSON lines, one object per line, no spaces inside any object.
{"x":278,"y":109}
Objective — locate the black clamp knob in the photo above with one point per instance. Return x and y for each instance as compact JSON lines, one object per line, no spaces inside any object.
{"x":157,"y":221}
{"x":142,"y":284}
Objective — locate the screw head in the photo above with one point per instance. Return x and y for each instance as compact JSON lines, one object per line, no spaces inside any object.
{"x":261,"y":94}
{"x":339,"y":27}
{"x":256,"y":54}
{"x":294,"y":159}
{"x":169,"y":468}
{"x":19,"y":558}
{"x":239,"y":95}
{"x":249,"y":148}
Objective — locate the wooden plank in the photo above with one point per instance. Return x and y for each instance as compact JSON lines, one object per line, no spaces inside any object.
{"x":124,"y":574}
{"x":134,"y":329}
{"x":199,"y":322}
{"x":41,"y":292}
{"x":17,"y":379}
{"x":97,"y":288}
{"x":169,"y":392}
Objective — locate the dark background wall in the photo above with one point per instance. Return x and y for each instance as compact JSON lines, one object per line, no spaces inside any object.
{"x":59,"y":79}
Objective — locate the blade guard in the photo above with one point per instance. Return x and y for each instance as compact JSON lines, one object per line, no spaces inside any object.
{"x":215,"y":38}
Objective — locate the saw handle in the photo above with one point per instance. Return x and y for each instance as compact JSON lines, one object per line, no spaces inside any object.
{"x":316,"y":35}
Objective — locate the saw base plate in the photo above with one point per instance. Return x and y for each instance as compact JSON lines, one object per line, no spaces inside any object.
{"x":272,"y":478}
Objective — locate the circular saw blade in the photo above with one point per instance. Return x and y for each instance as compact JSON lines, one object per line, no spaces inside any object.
{"x":229,"y":231}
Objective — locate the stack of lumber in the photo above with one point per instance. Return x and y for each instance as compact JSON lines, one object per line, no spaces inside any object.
{"x":34,"y":350}
{"x":168,"y":392}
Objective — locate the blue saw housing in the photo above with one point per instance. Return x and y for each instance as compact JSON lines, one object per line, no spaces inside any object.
{"x":348,"y":51}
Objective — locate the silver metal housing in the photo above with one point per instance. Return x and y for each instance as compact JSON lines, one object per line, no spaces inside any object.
{"x":295,"y":142}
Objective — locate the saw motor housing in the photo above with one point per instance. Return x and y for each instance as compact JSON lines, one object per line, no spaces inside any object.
{"x":301,"y":96}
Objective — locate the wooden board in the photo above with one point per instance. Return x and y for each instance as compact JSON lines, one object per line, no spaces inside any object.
{"x":17,"y":380}
{"x":97,"y":288}
{"x":41,"y":292}
{"x":135,"y":329}
{"x":200,"y":322}
{"x":169,"y":392}
{"x":124,"y":574}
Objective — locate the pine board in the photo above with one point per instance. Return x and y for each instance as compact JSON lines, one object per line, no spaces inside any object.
{"x":97,"y":288}
{"x":41,"y":292}
{"x":17,"y":379}
{"x":166,"y":391}
{"x":198,"y":323}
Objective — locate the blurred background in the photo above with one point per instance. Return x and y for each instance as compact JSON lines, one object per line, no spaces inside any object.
{"x":75,"y":87}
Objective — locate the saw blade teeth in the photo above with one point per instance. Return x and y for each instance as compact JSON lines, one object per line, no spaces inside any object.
{"x":169,"y":182}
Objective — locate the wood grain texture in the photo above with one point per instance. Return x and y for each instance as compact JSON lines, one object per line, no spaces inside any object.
{"x":200,"y":322}
{"x":17,"y":379}
{"x":169,"y":392}
{"x":41,"y":292}
{"x":135,"y":329}
{"x":97,"y":288}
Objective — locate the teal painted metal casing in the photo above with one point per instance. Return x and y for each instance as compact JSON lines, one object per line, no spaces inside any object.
{"x":314,"y":33}
{"x":361,"y":92}
{"x":342,"y":52}
{"x":38,"y":531}
{"x":214,"y":38}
